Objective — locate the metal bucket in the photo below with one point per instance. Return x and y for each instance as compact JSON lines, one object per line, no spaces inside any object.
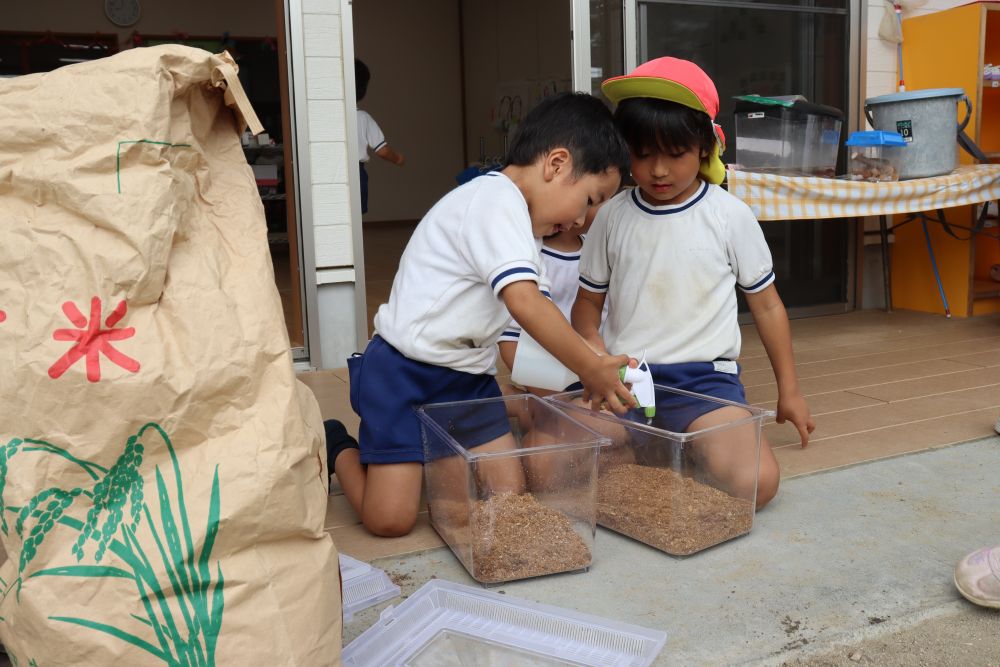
{"x":926,"y":119}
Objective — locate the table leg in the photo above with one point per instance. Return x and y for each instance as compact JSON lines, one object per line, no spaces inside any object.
{"x":886,"y":269}
{"x":937,"y":274}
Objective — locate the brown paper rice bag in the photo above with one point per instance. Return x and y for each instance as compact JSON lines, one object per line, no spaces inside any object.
{"x":162,"y":486}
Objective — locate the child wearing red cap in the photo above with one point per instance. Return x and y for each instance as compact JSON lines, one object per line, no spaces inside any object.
{"x":668,"y":255}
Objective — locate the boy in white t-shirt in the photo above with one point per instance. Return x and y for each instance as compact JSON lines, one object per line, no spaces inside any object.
{"x":370,"y":135}
{"x":471,"y":264}
{"x":669,"y":254}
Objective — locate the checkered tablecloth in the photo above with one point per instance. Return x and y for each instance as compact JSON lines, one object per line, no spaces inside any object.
{"x":775,"y":197}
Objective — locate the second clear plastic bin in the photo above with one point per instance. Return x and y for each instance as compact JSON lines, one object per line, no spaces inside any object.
{"x":875,"y":155}
{"x":786,"y":136}
{"x":511,"y":485}
{"x":676,"y":489}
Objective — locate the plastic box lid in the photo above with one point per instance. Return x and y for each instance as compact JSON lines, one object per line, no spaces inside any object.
{"x":445,"y":624}
{"x":875,"y":138}
{"x":364,"y":586}
{"x":793,"y":103}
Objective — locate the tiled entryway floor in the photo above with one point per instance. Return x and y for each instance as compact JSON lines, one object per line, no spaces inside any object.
{"x":879,"y":385}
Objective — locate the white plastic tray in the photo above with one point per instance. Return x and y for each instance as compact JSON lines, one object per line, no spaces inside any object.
{"x":364,"y":586}
{"x":445,"y":624}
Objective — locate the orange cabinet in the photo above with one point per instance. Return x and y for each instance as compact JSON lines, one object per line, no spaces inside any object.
{"x":949,"y":49}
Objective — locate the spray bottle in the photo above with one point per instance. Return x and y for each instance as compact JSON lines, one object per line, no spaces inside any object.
{"x":642,"y":386}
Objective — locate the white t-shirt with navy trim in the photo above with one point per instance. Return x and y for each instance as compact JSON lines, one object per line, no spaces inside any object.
{"x":445,"y":307}
{"x":369,"y":135}
{"x":670,"y":273}
{"x":561,"y":271}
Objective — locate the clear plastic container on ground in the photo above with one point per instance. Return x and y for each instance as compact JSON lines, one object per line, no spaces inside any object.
{"x":787,"y":136}
{"x":683,"y":483}
{"x":363,"y":586}
{"x":874,"y":156}
{"x":445,"y":624}
{"x":511,"y":485}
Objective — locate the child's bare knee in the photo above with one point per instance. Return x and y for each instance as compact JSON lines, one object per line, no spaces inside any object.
{"x":767,"y":485}
{"x":390,"y":526}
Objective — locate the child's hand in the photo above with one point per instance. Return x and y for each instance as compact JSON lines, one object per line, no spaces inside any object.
{"x":794,"y":409}
{"x":601,"y":383}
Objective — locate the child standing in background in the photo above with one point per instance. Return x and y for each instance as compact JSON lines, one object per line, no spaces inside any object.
{"x":669,"y":254}
{"x":369,"y":133}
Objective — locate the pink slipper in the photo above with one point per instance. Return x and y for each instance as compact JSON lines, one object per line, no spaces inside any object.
{"x":977,"y":577}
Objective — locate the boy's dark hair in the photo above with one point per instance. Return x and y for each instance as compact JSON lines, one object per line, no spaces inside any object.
{"x":362,"y":75}
{"x":652,"y":125}
{"x":577,"y":122}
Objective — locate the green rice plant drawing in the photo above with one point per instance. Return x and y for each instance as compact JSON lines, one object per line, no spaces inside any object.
{"x":182,"y":615}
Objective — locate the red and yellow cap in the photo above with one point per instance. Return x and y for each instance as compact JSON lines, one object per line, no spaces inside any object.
{"x":679,"y":81}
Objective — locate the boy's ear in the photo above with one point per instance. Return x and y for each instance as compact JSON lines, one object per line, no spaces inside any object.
{"x":556,"y":161}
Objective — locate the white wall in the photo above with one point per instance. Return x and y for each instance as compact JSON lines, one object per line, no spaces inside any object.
{"x":324,"y":99}
{"x":415,"y":95}
{"x":509,"y":41}
{"x":882,"y":58}
{"x":328,"y":216}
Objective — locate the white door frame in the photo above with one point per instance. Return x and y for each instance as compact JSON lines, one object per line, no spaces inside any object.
{"x":580,"y":31}
{"x":581,"y":41}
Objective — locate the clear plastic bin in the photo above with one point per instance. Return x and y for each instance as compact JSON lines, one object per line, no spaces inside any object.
{"x":678,"y":491}
{"x":511,"y":485}
{"x":363,"y":586}
{"x":787,"y":136}
{"x":875,"y":156}
{"x":444,"y":623}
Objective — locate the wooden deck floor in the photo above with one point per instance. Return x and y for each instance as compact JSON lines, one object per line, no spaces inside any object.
{"x":878,"y":385}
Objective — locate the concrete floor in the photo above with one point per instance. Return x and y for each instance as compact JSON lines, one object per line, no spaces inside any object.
{"x":845,"y":562}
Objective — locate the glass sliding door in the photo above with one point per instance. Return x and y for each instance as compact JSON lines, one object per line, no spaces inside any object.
{"x":607,"y":41}
{"x":778,"y":47}
{"x":781,"y":47}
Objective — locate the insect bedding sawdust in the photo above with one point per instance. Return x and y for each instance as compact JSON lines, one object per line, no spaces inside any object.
{"x":675,"y":514}
{"x":516,"y":537}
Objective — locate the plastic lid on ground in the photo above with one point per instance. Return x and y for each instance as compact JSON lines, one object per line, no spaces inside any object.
{"x":445,"y":624}
{"x":875,"y":138}
{"x":364,"y":586}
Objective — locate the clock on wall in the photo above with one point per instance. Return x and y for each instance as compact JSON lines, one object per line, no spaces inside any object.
{"x":122,"y":12}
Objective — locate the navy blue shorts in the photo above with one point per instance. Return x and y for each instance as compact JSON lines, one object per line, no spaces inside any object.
{"x":363,"y":174}
{"x":387,"y":386}
{"x":675,"y":412}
